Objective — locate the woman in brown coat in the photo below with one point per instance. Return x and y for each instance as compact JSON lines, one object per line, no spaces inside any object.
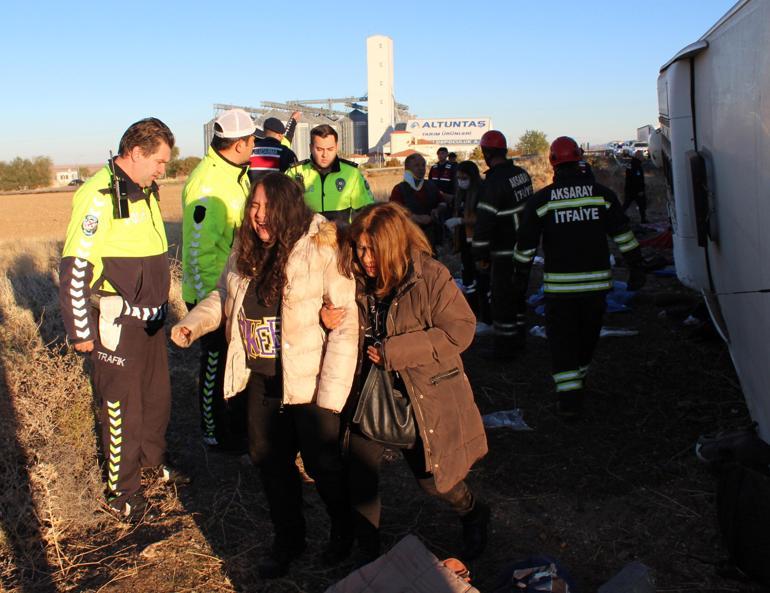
{"x":414,"y":322}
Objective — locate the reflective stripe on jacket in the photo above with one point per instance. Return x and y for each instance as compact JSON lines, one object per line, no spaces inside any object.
{"x":108,"y":255}
{"x":338,"y":194}
{"x":213,"y":201}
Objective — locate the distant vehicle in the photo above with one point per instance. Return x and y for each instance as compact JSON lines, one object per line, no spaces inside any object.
{"x":611,"y":148}
{"x":622,"y":149}
{"x":76,"y":182}
{"x":642,"y":147}
{"x":713,"y":147}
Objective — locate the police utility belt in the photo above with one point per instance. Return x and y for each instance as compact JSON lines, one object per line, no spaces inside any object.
{"x":115,"y":307}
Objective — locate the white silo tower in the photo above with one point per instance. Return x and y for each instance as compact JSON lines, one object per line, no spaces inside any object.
{"x":381,"y":103}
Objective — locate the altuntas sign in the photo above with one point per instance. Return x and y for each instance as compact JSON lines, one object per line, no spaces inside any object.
{"x":450,"y":131}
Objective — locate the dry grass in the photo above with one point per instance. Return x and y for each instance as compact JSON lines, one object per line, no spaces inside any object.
{"x":381,"y":183}
{"x":51,"y":480}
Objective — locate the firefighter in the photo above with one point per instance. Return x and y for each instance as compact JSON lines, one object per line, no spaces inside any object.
{"x":574,"y":215}
{"x":273,"y":152}
{"x":114,"y":286}
{"x":212,"y":209}
{"x":333,"y":186}
{"x":507,"y":188}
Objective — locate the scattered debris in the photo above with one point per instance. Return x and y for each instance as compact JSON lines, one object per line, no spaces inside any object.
{"x":606,"y":332}
{"x":618,"y":299}
{"x":506,"y":418}
{"x":536,"y":574}
{"x":408,"y":566}
{"x":635,"y":577}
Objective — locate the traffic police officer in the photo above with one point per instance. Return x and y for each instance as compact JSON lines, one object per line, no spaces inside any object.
{"x":574,"y":215}
{"x":114,"y":286}
{"x":213,"y":201}
{"x":506,"y":190}
{"x":333,"y":186}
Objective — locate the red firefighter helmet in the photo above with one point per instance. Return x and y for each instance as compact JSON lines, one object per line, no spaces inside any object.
{"x":493,"y":139}
{"x":564,"y":150}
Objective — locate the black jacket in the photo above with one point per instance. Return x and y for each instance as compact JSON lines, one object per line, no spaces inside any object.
{"x":269,"y":155}
{"x":574,"y":215}
{"x":506,"y":190}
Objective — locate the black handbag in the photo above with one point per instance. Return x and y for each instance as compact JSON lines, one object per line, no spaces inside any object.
{"x":385,"y":414}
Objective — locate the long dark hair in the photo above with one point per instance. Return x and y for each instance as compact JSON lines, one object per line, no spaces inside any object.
{"x":288,"y":218}
{"x":468,"y":197}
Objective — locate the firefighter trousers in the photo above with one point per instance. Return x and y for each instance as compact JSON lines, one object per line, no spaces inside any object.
{"x":222,"y":422}
{"x":573,"y":325}
{"x":508,"y":309}
{"x":133,"y":387}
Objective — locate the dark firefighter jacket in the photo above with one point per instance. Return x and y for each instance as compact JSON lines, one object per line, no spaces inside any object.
{"x":574,"y":215}
{"x":506,"y":190}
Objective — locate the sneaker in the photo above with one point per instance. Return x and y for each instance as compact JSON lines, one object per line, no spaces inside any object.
{"x":741,"y":445}
{"x":475,"y":526}
{"x":168,"y":474}
{"x":133,"y":509}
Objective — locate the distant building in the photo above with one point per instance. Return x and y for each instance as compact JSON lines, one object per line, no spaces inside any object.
{"x":381,"y":104}
{"x":64,"y":176}
{"x":374,"y":125}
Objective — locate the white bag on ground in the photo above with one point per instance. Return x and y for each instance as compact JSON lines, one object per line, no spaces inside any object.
{"x":408,"y":568}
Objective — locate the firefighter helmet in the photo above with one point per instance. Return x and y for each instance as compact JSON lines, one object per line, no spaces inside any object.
{"x":564,"y":150}
{"x":493,"y":139}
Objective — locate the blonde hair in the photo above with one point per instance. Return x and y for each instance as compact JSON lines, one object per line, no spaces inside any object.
{"x":393,"y":237}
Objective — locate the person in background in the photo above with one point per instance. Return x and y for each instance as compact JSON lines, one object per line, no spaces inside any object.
{"x":273,"y":152}
{"x":634,"y":190}
{"x":212,"y":209}
{"x":333,"y":186}
{"x":506,"y":190}
{"x":442,"y":173}
{"x":419,"y":195}
{"x":296,"y":376}
{"x":452,"y":158}
{"x":415,"y":324}
{"x":475,"y":283}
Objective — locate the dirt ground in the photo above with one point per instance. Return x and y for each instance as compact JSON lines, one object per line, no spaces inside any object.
{"x":45,"y":215}
{"x":621,"y":484}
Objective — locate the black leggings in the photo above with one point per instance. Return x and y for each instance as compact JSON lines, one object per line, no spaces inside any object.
{"x":276,"y":434}
{"x":364,"y":456}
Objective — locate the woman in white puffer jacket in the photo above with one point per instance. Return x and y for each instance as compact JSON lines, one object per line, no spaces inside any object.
{"x":282,"y":268}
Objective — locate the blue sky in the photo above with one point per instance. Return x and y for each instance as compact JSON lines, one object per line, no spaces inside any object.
{"x":75,"y":75}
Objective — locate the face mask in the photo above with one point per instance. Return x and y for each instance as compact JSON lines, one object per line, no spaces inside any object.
{"x":463,"y":183}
